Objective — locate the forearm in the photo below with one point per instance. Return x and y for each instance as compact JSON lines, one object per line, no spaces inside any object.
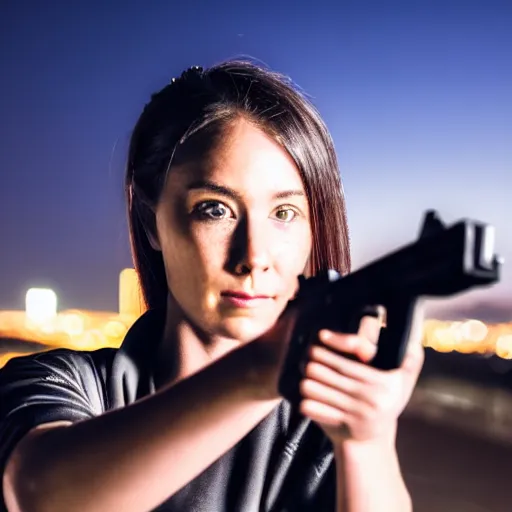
{"x":116,"y":461}
{"x":369,"y":478}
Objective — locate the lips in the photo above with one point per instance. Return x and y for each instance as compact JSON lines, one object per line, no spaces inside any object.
{"x":244,"y":300}
{"x":243,"y":295}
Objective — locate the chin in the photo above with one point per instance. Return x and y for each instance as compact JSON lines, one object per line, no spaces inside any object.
{"x":244,"y":330}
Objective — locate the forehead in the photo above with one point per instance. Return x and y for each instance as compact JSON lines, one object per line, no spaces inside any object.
{"x":247,"y":160}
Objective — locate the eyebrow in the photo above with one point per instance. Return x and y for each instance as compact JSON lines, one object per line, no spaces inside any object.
{"x":229,"y":192}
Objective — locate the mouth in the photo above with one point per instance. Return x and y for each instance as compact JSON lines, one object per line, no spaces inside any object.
{"x":244,"y":300}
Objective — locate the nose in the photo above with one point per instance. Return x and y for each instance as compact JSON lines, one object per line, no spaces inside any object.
{"x":251,"y":250}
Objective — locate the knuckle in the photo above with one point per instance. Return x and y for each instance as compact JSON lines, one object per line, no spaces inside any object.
{"x":346,"y":342}
{"x":373,"y":402}
{"x":352,"y":341}
{"x":370,"y":415}
{"x":381,"y":400}
{"x":369,"y":350}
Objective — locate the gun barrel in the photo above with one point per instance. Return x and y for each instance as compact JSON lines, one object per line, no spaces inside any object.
{"x":441,"y":264}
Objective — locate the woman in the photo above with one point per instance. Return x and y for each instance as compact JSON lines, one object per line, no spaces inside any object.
{"x":233,"y":191}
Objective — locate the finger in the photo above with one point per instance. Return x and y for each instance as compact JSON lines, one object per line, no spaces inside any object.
{"x":347,"y":367}
{"x":329,"y":377}
{"x":358,"y":346}
{"x":319,"y":392}
{"x":370,"y":327}
{"x":361,"y":394}
{"x":415,"y":354}
{"x":321,"y":413}
{"x":414,"y":358}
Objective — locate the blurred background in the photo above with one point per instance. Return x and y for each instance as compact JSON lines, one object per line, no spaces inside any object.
{"x":418,"y":97}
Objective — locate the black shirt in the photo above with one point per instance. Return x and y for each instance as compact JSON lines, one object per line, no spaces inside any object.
{"x":284,"y":464}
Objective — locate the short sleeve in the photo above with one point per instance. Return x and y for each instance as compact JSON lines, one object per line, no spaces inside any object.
{"x":60,"y":385}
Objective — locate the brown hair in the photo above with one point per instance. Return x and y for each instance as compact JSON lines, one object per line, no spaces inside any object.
{"x":193,"y":109}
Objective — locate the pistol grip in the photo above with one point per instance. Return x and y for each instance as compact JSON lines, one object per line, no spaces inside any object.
{"x":393,"y":339}
{"x":309,"y":322}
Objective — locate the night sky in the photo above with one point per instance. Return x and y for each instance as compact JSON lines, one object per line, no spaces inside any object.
{"x":418,"y":96}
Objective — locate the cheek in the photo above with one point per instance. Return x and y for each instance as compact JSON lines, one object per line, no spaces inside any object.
{"x":211,"y":245}
{"x":199,"y":253}
{"x":293,"y":248}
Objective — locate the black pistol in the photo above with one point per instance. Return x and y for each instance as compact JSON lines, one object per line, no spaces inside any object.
{"x":444,"y":261}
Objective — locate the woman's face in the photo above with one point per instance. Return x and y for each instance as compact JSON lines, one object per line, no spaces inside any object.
{"x":234,"y":231}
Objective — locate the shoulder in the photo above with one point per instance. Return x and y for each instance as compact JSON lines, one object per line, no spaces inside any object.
{"x":61,"y":358}
{"x":65,"y":362}
{"x":58,"y":373}
{"x":89,"y":381}
{"x":58,"y":385}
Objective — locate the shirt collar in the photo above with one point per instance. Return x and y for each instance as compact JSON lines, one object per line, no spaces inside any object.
{"x":143,"y":338}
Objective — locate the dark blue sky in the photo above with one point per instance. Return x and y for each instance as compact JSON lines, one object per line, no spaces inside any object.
{"x":418,"y":96}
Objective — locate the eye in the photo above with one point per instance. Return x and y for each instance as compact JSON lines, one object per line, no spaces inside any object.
{"x":285,"y":214}
{"x":211,"y":210}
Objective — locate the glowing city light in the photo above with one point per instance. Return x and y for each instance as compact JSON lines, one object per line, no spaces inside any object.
{"x":130,"y":294}
{"x":40,"y":305}
{"x":504,"y":346}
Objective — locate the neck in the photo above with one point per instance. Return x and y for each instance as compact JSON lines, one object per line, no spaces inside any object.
{"x":185,"y":349}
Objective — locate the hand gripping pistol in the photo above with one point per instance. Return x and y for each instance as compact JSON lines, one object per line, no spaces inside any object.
{"x":444,"y":261}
